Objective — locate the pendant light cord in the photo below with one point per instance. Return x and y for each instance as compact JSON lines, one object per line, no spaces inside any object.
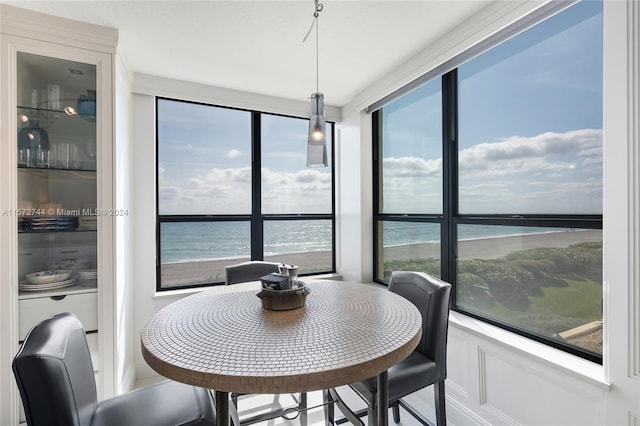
{"x":316,"y":13}
{"x":317,"y":47}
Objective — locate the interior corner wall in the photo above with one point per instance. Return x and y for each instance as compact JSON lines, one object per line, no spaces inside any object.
{"x":124,"y":335}
{"x":353,"y":206}
{"x":143,"y":219}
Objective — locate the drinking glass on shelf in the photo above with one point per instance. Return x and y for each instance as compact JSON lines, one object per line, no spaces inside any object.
{"x":67,"y":155}
{"x":90,"y":150}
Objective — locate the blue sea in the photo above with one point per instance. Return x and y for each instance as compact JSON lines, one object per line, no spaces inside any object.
{"x":189,"y":241}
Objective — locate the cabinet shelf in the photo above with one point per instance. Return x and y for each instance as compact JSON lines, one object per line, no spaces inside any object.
{"x":49,"y":114}
{"x":54,"y":169}
{"x":51,"y":231}
{"x":74,"y":289}
{"x":57,"y":123}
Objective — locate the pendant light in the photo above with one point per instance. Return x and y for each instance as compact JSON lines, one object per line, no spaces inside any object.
{"x":317,"y":139}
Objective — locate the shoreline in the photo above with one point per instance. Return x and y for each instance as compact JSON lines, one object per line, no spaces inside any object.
{"x":185,"y":272}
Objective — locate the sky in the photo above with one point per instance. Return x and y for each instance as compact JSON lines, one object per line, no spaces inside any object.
{"x":530,"y":127}
{"x":205,"y":162}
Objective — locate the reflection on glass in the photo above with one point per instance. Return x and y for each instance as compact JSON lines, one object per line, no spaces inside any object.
{"x":305,"y":243}
{"x":545,"y":281}
{"x":408,"y":246}
{"x":530,"y":120}
{"x":411,"y":147}
{"x":194,"y":253}
{"x":288,"y":185}
{"x":204,"y":159}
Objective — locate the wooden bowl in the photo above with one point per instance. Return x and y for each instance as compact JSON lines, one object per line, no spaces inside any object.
{"x":284,"y":300}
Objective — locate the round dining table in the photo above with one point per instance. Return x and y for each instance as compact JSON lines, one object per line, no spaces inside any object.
{"x":223,"y":339}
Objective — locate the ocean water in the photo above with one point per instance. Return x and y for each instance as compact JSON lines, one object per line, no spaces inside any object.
{"x":189,"y":241}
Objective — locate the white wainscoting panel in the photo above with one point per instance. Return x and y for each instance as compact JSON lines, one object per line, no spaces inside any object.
{"x":459,"y":370}
{"x":491,"y":384}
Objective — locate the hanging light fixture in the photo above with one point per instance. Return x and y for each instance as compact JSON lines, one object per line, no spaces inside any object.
{"x":317,"y":140}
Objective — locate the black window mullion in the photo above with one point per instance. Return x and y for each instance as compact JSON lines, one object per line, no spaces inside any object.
{"x":333,"y":198}
{"x":450,"y":177}
{"x":257,"y":225}
{"x":377,"y":190}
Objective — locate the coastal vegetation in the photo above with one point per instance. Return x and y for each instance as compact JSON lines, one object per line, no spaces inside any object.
{"x":543,"y":290}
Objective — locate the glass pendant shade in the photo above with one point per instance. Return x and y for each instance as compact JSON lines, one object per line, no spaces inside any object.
{"x":317,"y":141}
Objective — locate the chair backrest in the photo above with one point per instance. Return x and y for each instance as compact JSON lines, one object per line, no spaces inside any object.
{"x":432,"y":297}
{"x":54,"y":374}
{"x":248,"y":271}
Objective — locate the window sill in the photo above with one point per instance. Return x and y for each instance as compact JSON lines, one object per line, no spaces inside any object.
{"x":183,"y":292}
{"x":577,"y":367}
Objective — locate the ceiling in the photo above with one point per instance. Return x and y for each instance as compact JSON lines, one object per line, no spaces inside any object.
{"x":256,"y":46}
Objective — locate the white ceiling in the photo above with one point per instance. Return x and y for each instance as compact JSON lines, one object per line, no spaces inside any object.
{"x":256,"y":46}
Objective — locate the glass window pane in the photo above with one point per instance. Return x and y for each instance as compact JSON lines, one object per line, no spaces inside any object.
{"x":288,"y":185}
{"x":194,"y":253}
{"x":530,"y":120}
{"x":545,"y":281}
{"x":408,"y":246}
{"x":305,"y":243}
{"x":204,"y":159}
{"x":411,"y":147}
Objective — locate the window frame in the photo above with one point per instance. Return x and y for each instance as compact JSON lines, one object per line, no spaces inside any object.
{"x":255,"y":218}
{"x":450,"y":219}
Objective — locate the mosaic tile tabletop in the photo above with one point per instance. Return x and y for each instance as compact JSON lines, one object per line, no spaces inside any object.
{"x":223,"y":339}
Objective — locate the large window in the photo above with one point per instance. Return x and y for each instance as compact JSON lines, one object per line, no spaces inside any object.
{"x":233,"y":186}
{"x":490,"y":176}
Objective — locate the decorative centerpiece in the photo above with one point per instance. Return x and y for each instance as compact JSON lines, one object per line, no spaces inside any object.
{"x":283,"y":291}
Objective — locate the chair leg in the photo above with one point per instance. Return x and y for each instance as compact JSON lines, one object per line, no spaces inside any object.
{"x":396,"y":411}
{"x":235,"y":418}
{"x":441,"y":415}
{"x":372,"y":416}
{"x":302,"y":406}
{"x":349,"y":415}
{"x":329,"y":413}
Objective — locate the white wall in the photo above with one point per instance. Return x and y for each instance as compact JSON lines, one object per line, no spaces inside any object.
{"x":124,"y":347}
{"x":353,"y":197}
{"x":143,"y":220}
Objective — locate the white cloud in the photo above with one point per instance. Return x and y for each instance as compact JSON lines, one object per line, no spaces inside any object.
{"x":234,"y":153}
{"x":412,"y":167}
{"x":524,"y":154}
{"x":546,"y":173}
{"x":228,"y":191}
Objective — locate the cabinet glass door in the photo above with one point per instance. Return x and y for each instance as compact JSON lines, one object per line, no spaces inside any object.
{"x":57,"y":204}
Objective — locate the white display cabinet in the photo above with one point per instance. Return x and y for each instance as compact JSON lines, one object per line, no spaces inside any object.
{"x":57,"y":174}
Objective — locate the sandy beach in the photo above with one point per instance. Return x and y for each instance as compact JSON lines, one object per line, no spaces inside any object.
{"x":184,"y":273}
{"x":491,"y":248}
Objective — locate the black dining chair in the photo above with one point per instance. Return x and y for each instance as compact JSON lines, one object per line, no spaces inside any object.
{"x":252,"y":271}
{"x":248,"y":271}
{"x":55,"y":377}
{"x":425,"y":366}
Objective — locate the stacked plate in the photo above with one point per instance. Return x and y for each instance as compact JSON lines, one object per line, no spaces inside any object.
{"x":48,"y":223}
{"x":88,"y":276}
{"x":48,"y":280}
{"x":73,"y":264}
